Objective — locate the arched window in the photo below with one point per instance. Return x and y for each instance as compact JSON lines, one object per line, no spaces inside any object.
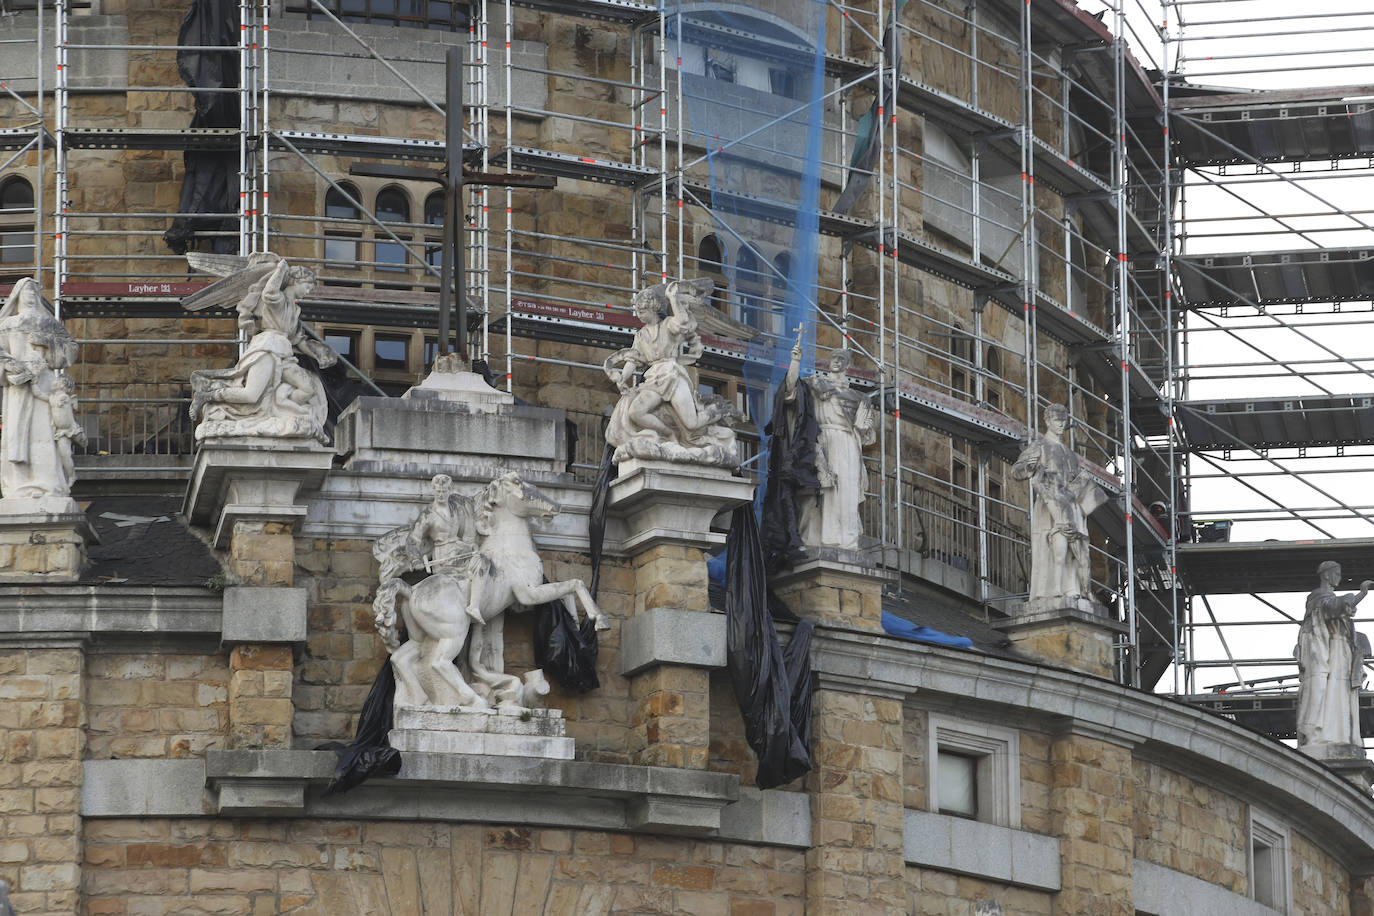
{"x":393,"y":206}
{"x":960,"y":360}
{"x":747,"y":285}
{"x":710,"y":261}
{"x":992,"y":386}
{"x":434,"y":216}
{"x":341,"y":244}
{"x":16,"y":222}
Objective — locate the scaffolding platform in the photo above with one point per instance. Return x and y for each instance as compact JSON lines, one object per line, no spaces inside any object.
{"x":1277,"y":422}
{"x":1256,"y":567}
{"x":1276,"y":277}
{"x":1272,"y":713}
{"x":12,"y":138}
{"x":224,"y":139}
{"x":773,"y":211}
{"x":624,"y":12}
{"x":1283,"y":126}
{"x":578,"y":168}
{"x":363,"y":146}
{"x":989,"y":429}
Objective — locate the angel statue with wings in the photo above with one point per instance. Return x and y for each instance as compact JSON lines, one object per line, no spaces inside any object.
{"x":663,"y":417}
{"x":267,"y":393}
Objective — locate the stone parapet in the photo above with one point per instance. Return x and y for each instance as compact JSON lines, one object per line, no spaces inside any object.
{"x":1079,"y":637}
{"x":662,"y":503}
{"x":834,"y":587}
{"x":43,"y":546}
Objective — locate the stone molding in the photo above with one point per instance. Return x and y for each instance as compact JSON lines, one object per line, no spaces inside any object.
{"x":981,"y":850}
{"x":252,"y":479}
{"x":264,"y":614}
{"x":1166,"y":892}
{"x":661,"y":502}
{"x":671,"y":636}
{"x":1335,"y":813}
{"x":32,"y":615}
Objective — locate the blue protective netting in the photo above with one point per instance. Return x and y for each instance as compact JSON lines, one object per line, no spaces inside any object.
{"x":753,"y":84}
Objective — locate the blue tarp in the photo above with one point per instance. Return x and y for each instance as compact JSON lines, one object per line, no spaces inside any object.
{"x":905,"y":629}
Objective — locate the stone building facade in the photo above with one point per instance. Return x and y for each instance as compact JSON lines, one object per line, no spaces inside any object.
{"x":160,"y":716}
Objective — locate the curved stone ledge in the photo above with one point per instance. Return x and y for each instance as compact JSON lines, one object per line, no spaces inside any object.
{"x":982,"y":850}
{"x":472,"y":787}
{"x":1188,"y":739}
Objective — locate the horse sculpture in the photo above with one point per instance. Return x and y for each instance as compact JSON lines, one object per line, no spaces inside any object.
{"x":441,"y":612}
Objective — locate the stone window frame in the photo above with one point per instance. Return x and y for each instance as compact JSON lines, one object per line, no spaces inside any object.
{"x":1273,"y":833}
{"x":998,"y":775}
{"x":16,"y":223}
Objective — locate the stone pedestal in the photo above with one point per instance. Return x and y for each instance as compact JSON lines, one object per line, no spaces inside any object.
{"x":252,"y":480}
{"x":835,"y":587}
{"x":453,"y":730}
{"x":1080,"y":637}
{"x":247,"y":491}
{"x":666,"y":513}
{"x":1349,"y":760}
{"x":43,"y":540}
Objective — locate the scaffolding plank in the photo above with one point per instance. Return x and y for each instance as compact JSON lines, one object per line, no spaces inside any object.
{"x":579,"y":168}
{"x":364,"y":146}
{"x":981,"y":426}
{"x":1273,"y":713}
{"x":1268,"y":128}
{"x":1277,"y":277}
{"x":1315,"y":420}
{"x":946,"y":265}
{"x":169,"y":138}
{"x":625,"y":12}
{"x":1257,"y":567}
{"x":774,"y":211}
{"x":13,"y":138}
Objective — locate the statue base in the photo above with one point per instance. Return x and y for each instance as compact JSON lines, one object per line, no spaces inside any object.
{"x":663,"y":502}
{"x":835,"y":587}
{"x":459,"y":730}
{"x":1070,"y":632}
{"x":43,"y":539}
{"x":448,"y":381}
{"x":252,"y":479}
{"x":1348,"y":760}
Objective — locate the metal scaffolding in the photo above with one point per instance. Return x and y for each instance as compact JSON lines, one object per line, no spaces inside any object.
{"x":1058,"y":210}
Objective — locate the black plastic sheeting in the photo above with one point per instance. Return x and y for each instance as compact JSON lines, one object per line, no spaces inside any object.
{"x":368,"y":755}
{"x":772,"y":684}
{"x":208,"y":186}
{"x":596,"y":517}
{"x":793,"y":433}
{"x":564,"y":649}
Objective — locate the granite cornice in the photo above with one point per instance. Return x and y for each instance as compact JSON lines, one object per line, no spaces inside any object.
{"x":1214,"y":750}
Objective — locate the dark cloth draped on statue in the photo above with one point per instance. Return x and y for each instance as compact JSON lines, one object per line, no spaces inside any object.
{"x":206,"y":187}
{"x":793,"y":435}
{"x":772,"y":684}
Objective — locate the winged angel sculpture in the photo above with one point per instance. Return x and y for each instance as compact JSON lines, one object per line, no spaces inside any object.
{"x":662,"y":416}
{"x":267,"y":393}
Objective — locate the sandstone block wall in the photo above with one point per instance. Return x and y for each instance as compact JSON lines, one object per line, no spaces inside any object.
{"x":331,"y":868}
{"x":42,"y":742}
{"x":1190,"y":827}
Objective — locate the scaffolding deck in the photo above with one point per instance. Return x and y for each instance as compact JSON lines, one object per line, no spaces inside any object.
{"x":625,"y":12}
{"x":1274,"y":127}
{"x":578,"y":168}
{"x":1273,"y":714}
{"x":1277,"y":422}
{"x":1256,"y":567}
{"x":12,"y":138}
{"x":1276,"y":277}
{"x":363,"y":146}
{"x":169,"y":138}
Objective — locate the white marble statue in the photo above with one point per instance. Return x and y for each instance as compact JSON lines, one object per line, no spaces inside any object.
{"x":1330,"y":669}
{"x":482,"y":563}
{"x":829,"y":516}
{"x":1065,"y":495}
{"x":267,"y":393}
{"x":39,"y":422}
{"x":663,"y":416}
